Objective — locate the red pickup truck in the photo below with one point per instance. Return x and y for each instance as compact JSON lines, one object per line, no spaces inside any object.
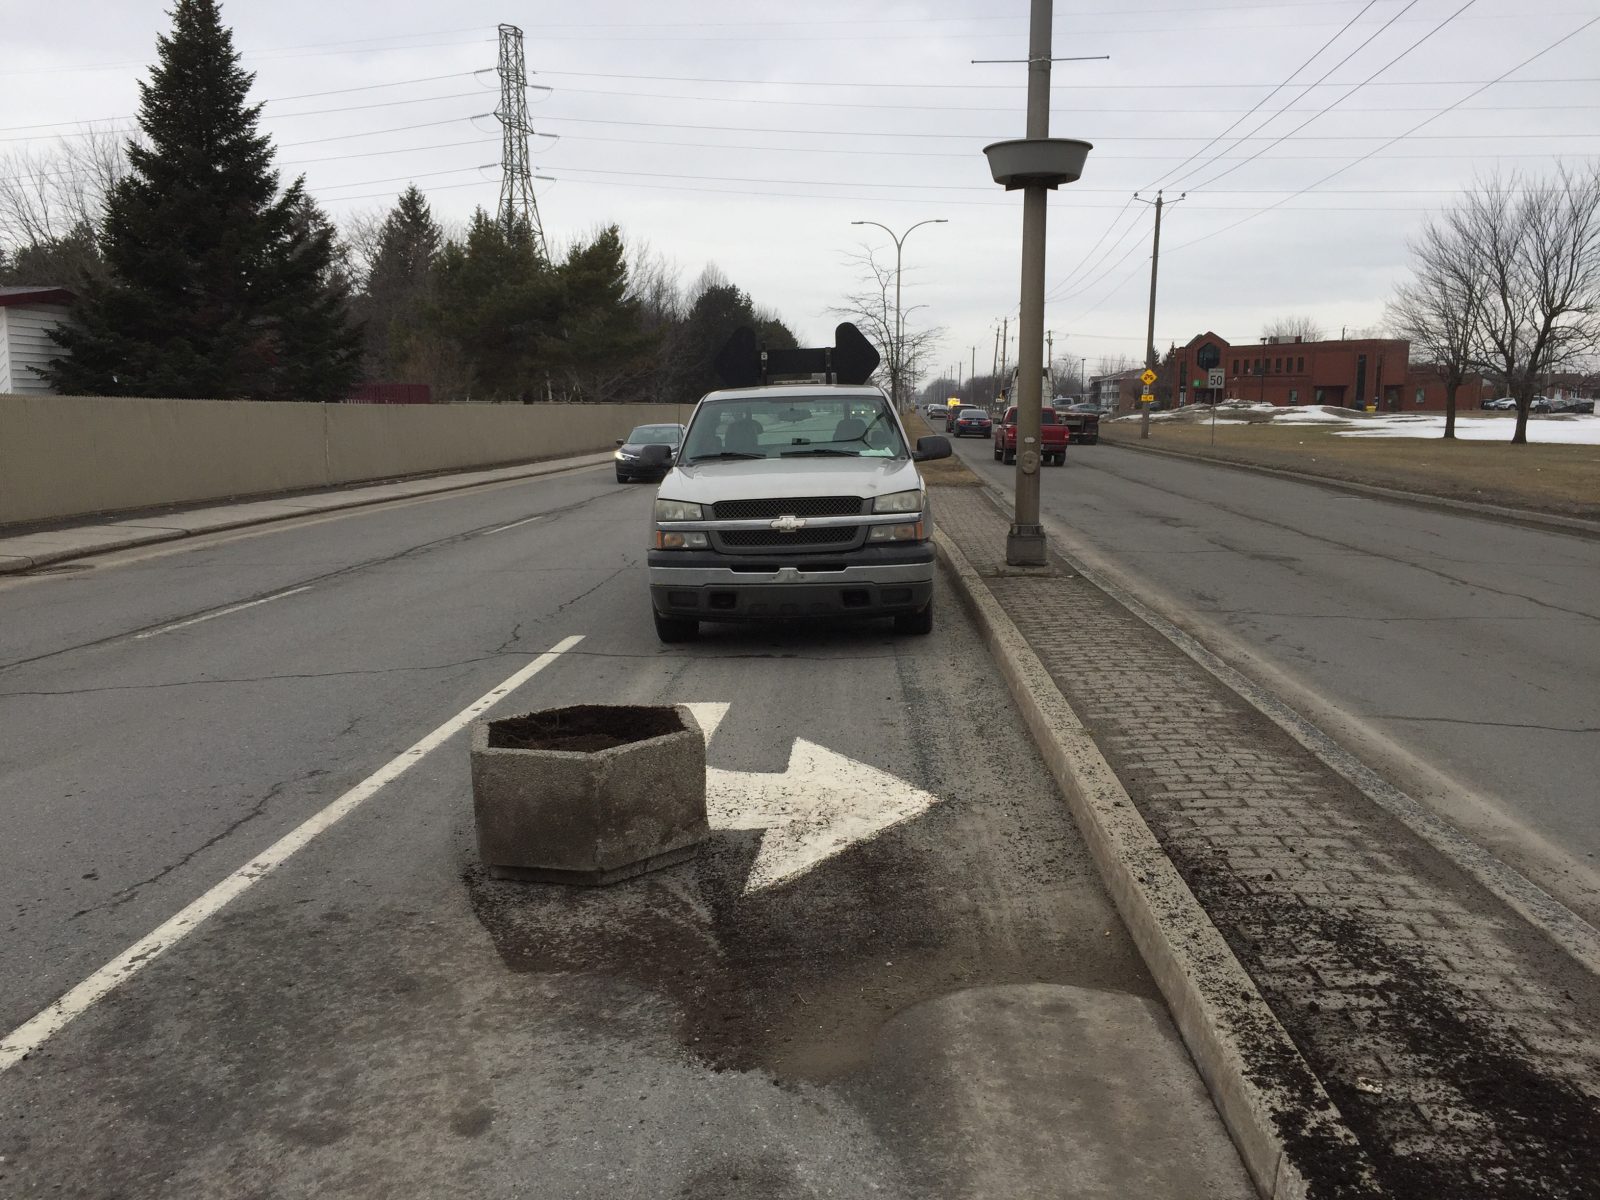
{"x":1053,"y":437}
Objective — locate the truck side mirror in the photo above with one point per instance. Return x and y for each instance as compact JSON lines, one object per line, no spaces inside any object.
{"x":930,"y":448}
{"x":655,"y":455}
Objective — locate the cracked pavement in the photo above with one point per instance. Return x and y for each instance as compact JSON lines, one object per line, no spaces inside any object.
{"x":951,"y":1009}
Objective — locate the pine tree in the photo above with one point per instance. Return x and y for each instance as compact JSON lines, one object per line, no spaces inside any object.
{"x":599,"y":346}
{"x":218,"y":285}
{"x":398,"y":284}
{"x":495,"y":301}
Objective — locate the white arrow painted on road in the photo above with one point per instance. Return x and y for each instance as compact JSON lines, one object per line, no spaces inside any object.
{"x":819,"y":806}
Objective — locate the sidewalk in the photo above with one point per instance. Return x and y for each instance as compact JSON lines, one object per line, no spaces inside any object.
{"x":1459,"y":1046}
{"x":67,"y":540}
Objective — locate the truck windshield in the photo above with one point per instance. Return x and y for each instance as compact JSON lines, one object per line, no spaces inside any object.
{"x":792,"y":426}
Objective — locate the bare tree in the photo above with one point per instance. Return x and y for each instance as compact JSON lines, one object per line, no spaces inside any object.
{"x":1286,"y":329}
{"x":52,"y":203}
{"x":1538,"y":248}
{"x":1438,"y":310}
{"x":871,"y":308}
{"x":1115,"y":364}
{"x":1066,"y":375}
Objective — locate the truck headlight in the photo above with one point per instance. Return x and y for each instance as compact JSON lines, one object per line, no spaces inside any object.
{"x":899,"y":502}
{"x":677,"y":510}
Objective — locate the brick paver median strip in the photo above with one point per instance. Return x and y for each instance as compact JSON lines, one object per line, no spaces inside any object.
{"x":1461,"y":1047}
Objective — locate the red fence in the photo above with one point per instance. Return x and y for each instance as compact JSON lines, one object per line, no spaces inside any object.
{"x":391,"y":393}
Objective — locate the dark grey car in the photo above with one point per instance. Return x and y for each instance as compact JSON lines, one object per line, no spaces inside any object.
{"x":629,"y":463}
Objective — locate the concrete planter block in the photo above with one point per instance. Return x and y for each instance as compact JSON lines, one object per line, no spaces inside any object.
{"x":591,"y":794}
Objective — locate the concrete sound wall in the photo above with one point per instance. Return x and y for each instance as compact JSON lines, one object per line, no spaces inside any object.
{"x":66,"y":456}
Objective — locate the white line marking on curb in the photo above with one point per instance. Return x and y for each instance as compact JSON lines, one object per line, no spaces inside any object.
{"x":221,"y":612}
{"x":514,"y":524}
{"x":38,"y":1029}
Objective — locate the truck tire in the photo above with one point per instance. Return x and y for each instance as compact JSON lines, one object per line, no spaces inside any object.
{"x":915,"y":623}
{"x":676,"y":629}
{"x":1011,"y":457}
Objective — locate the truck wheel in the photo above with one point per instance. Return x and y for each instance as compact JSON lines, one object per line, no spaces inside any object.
{"x":676,"y":629}
{"x":1011,"y":457}
{"x":915,"y":623}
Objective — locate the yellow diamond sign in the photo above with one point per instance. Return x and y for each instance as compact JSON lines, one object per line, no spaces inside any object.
{"x":1148,"y":377}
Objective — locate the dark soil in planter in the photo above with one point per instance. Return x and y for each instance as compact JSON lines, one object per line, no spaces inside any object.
{"x":583,"y":728}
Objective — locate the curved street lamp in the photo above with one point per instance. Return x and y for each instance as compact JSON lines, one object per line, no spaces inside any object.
{"x":899,"y":338}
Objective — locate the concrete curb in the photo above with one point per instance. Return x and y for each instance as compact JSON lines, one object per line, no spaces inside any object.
{"x":129,"y":535}
{"x":1275,"y":1108}
{"x":1520,"y":516}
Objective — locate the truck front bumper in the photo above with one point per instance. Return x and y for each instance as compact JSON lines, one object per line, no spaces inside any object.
{"x":864,"y":583}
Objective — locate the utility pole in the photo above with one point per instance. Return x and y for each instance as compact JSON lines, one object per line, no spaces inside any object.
{"x":1150,"y":329}
{"x":1005,"y":353}
{"x":517,"y":203}
{"x":1050,"y":358}
{"x":994,"y":370}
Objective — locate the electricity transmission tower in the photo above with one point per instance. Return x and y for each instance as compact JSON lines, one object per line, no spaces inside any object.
{"x":517,"y":203}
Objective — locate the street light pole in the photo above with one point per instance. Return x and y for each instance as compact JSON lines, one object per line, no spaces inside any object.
{"x":898,"y":337}
{"x":1036,"y":164}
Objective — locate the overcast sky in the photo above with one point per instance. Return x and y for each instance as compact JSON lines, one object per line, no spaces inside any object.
{"x":750,"y":134}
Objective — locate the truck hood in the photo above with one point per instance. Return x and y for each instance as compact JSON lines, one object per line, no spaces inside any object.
{"x":741,"y":479}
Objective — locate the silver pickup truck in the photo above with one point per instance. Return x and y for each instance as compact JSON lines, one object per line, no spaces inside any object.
{"x":793,"y":500}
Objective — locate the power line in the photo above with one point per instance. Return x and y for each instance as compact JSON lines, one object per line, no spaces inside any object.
{"x":1015,"y":87}
{"x":967,"y":137}
{"x":1074,"y":112}
{"x":1230,"y":170}
{"x":1398,"y":137}
{"x":1320,"y":50}
{"x":313,"y":48}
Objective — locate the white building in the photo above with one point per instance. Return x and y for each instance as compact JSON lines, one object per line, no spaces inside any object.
{"x":26,"y":316}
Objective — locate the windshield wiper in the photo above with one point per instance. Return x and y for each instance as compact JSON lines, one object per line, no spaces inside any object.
{"x":725,"y":454}
{"x":824,"y":450}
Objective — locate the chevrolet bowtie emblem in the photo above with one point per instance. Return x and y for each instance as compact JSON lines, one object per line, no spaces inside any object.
{"x":789,"y":524}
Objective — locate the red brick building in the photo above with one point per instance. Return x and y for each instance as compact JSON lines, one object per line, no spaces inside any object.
{"x":1354,"y":373}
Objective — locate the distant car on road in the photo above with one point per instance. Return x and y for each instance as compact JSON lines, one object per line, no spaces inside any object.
{"x":1054,"y":437}
{"x":1501,"y":403}
{"x":974,"y":421}
{"x":629,"y":449}
{"x":1083,"y":418}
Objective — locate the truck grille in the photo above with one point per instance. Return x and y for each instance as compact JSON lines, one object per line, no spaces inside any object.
{"x":795,"y":506}
{"x":772,"y":539}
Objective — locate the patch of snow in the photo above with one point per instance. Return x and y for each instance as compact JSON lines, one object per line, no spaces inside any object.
{"x":1581,"y":430}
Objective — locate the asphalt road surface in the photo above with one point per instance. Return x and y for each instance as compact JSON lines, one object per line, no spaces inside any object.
{"x":945,"y":1007}
{"x":1457,"y":654}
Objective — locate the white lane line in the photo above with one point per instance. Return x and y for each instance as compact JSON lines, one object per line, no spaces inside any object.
{"x":38,"y":1029}
{"x":513,"y":525}
{"x":221,"y":612}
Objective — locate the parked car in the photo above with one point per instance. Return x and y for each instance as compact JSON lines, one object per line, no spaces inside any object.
{"x":1502,"y":404}
{"x":974,"y":421}
{"x":630,"y":463}
{"x":793,"y":500}
{"x":1054,"y":437}
{"x":1540,"y":404}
